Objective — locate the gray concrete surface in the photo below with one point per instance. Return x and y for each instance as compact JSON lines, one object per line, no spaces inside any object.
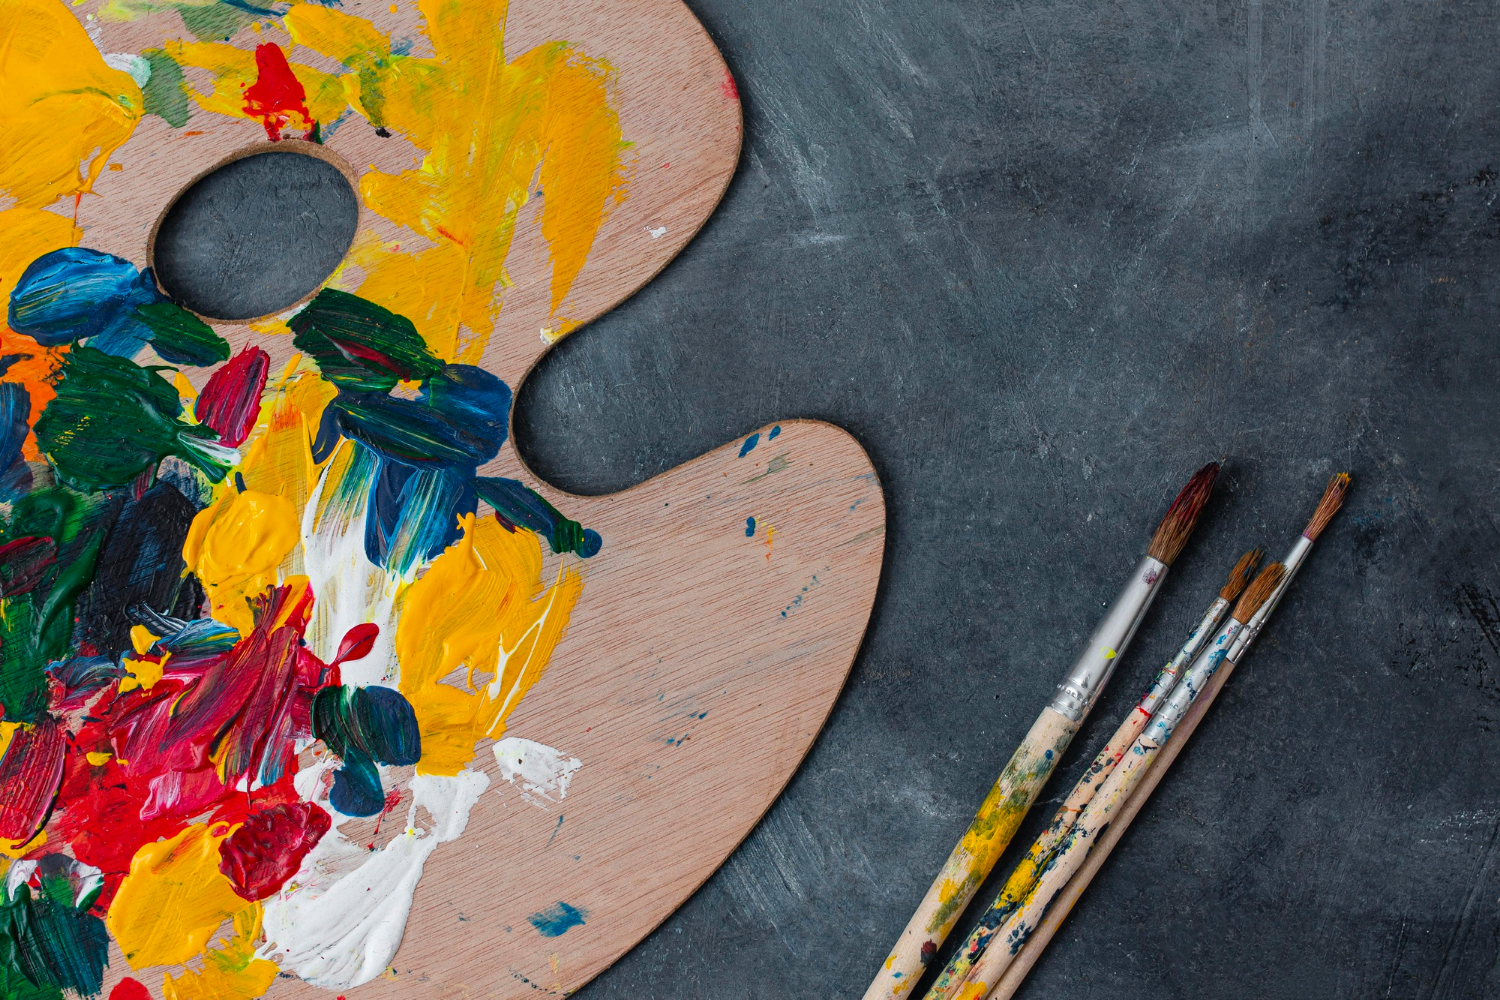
{"x":1043,"y":260}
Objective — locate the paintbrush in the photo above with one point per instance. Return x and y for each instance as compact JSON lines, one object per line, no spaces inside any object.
{"x":1031,"y":765}
{"x":1008,"y":938}
{"x":1063,"y":902}
{"x":1030,"y":867}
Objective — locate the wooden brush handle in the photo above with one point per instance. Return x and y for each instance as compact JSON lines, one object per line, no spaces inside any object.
{"x":1026,"y":873}
{"x":1062,"y":904}
{"x":975,"y":856}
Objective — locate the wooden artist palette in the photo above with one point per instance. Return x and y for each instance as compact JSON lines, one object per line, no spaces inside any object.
{"x":719,"y":619}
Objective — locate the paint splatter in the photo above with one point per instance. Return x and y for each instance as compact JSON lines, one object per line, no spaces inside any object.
{"x":557,"y":919}
{"x":230,"y":403}
{"x":749,"y":527}
{"x":749,"y":445}
{"x":543,"y":773}
{"x":775,"y":433}
{"x":277,"y":97}
{"x":269,"y":846}
{"x":206,"y":587}
{"x":546,"y":113}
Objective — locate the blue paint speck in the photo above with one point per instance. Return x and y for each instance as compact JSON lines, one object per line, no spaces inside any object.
{"x":774,"y":431}
{"x":749,"y":527}
{"x":557,"y":919}
{"x":749,"y":445}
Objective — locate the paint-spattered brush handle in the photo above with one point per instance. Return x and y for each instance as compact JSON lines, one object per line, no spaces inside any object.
{"x":1029,"y":768}
{"x":1029,"y":869}
{"x":975,"y":856}
{"x":1071,"y":854}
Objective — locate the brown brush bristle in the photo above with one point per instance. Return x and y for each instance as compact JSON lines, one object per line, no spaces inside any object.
{"x":1259,"y":592}
{"x":1240,"y":575}
{"x":1333,"y":499}
{"x":1175,"y":529}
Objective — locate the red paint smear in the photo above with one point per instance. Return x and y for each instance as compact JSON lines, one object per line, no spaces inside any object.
{"x":261,"y":855}
{"x":358,"y":642}
{"x":276,"y":96}
{"x":129,"y":989}
{"x":23,"y":562}
{"x":230,"y":403}
{"x":191,"y":745}
{"x":30,"y":773}
{"x":731,"y":91}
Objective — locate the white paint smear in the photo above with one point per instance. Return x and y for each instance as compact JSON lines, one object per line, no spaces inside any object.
{"x":542,"y":772}
{"x":338,"y":922}
{"x":348,"y":589}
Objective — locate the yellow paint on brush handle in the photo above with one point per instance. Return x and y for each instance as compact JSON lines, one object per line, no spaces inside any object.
{"x":973,"y":859}
{"x":1070,"y":856}
{"x":1029,"y":869}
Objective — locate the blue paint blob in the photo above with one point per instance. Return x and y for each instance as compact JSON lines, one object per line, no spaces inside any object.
{"x":749,"y":527}
{"x":557,"y":919}
{"x":75,"y":292}
{"x":592,"y":543}
{"x":749,"y":446}
{"x":774,"y":431}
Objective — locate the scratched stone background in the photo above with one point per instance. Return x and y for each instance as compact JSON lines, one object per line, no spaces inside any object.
{"x":1044,"y":259}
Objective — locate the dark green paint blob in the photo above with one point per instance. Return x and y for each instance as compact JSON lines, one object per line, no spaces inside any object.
{"x":166,"y":97}
{"x":518,"y":505}
{"x":48,"y":940}
{"x":113,"y":419}
{"x":359,"y":346}
{"x":364,"y":727}
{"x":182,"y":338}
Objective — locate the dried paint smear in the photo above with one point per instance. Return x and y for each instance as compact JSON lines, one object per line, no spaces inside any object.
{"x":541,"y":772}
{"x":242,"y":627}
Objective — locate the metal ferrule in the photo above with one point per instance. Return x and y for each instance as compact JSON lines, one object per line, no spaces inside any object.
{"x":1075,"y":695}
{"x":1292,"y":561}
{"x":1160,"y":728}
{"x":1167,"y":679}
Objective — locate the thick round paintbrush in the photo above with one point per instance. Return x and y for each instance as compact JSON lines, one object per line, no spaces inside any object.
{"x":1011,"y":981}
{"x":1031,"y":765}
{"x":1069,"y":857}
{"x":1029,"y":869}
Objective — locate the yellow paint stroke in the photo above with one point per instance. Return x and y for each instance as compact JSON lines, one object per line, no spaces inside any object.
{"x":62,"y":110}
{"x":278,"y":457}
{"x":142,"y":639}
{"x":246,"y":541}
{"x":21,"y":848}
{"x":230,"y":971}
{"x":234,"y":69}
{"x":142,"y":673}
{"x":174,"y":898}
{"x":487,"y":127}
{"x":62,"y":113}
{"x":481,"y":609}
{"x":236,"y":545}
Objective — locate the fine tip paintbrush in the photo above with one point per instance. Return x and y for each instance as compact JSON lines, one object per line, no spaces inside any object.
{"x":1030,"y":867}
{"x":1010,"y":982}
{"x":1031,"y":765}
{"x":1328,"y":505}
{"x":1008,"y":938}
